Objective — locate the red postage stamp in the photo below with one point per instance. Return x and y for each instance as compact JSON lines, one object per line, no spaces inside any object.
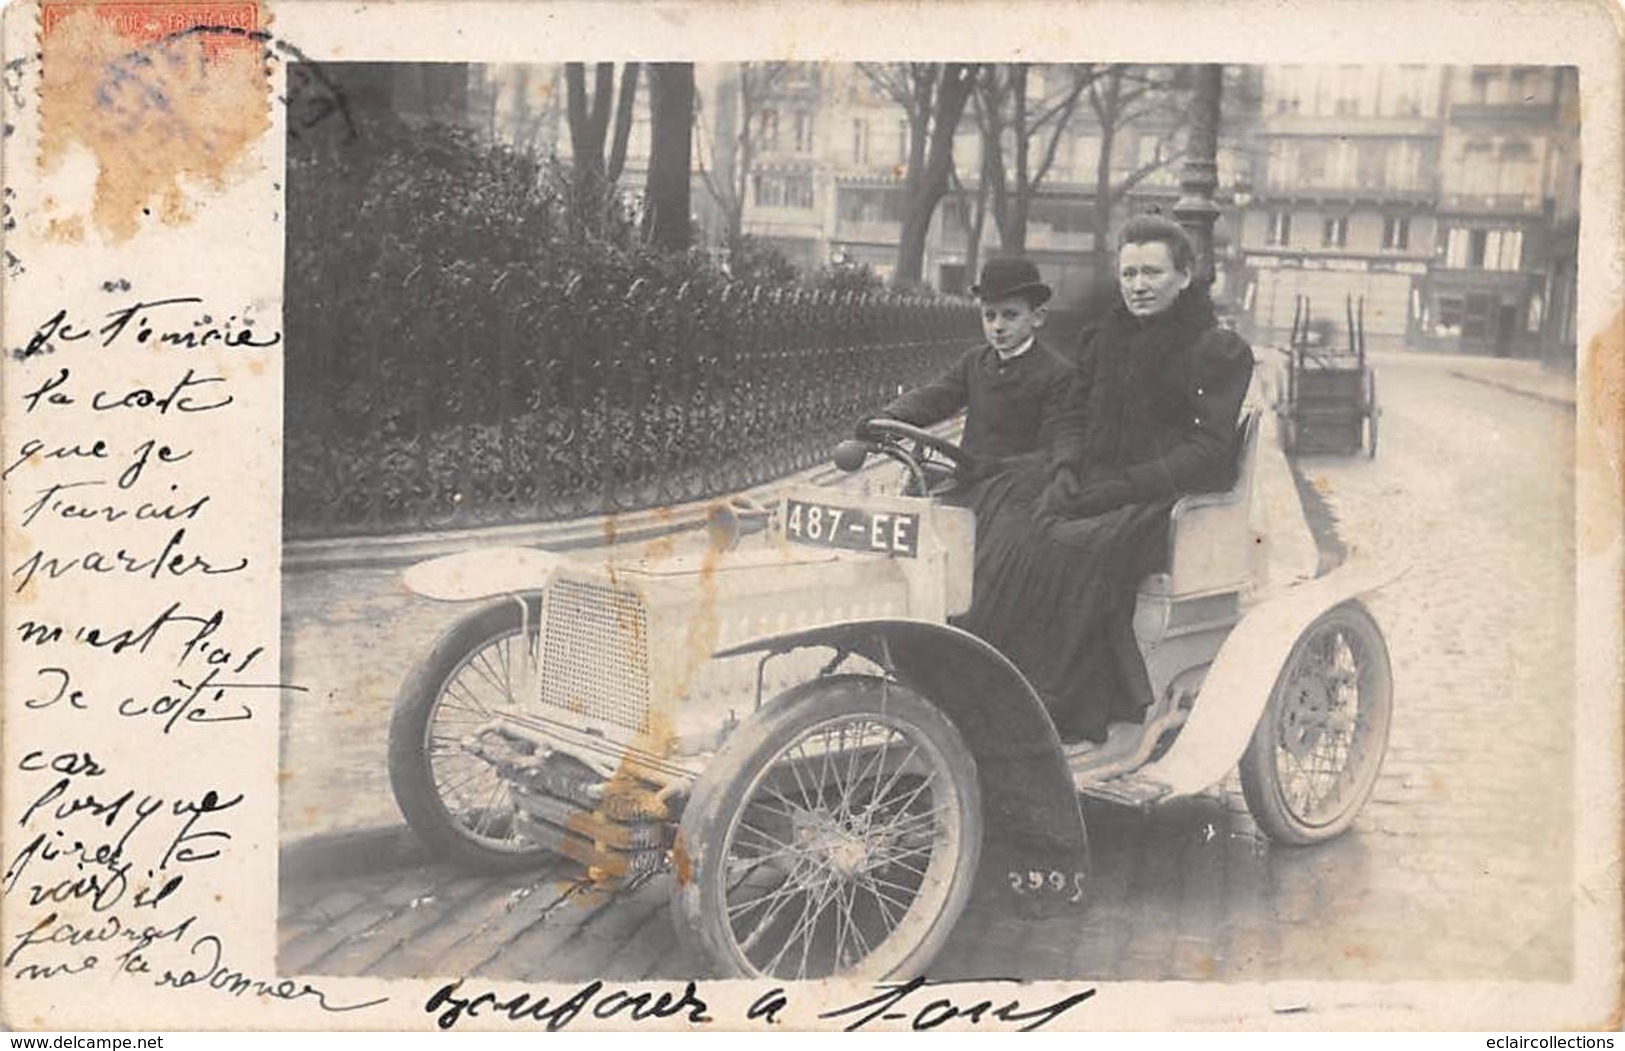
{"x":221,"y":25}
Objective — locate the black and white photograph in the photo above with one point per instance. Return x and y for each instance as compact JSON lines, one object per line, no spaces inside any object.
{"x":790,"y":520}
{"x":846,"y":516}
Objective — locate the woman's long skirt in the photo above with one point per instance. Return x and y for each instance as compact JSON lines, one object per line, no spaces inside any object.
{"x":1057,"y":597}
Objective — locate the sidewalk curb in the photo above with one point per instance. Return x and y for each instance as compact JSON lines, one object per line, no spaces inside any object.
{"x":1512,"y":388}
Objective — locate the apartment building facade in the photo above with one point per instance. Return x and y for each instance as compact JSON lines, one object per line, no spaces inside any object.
{"x":1445,"y":197}
{"x":1429,"y":192}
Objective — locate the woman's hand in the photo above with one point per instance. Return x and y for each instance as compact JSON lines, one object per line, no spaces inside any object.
{"x":1099,"y":497}
{"x":1066,"y":498}
{"x":1063,"y":489}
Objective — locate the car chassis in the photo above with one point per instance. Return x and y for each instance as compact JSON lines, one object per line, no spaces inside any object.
{"x":778,"y":712}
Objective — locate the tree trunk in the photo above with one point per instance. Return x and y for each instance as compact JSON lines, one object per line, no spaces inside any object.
{"x":973,"y":251}
{"x":589,"y":119}
{"x":1103,"y":204}
{"x":1015,"y":232}
{"x":623,"y":121}
{"x":928,"y":182}
{"x":671,"y":96}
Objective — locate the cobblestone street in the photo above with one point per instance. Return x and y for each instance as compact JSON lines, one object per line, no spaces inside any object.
{"x":1461,"y":867}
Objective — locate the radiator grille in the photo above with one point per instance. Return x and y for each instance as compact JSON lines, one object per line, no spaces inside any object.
{"x":595,"y":655}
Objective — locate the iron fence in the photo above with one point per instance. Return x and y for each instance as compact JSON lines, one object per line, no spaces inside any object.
{"x":591,"y":399}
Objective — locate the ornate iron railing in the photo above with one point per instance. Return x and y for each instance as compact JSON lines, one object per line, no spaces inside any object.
{"x":590,"y":400}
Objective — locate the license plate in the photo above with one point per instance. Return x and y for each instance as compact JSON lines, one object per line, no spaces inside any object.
{"x":853,"y":528}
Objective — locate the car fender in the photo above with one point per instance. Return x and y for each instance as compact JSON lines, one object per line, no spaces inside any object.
{"x":485,"y":573}
{"x":1030,"y":806}
{"x":1239,"y":683}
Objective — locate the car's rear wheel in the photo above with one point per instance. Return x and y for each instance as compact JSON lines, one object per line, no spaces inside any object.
{"x":1314,"y":757}
{"x":837,"y":832}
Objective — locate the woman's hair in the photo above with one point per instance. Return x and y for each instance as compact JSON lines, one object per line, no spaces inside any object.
{"x":1144,"y":229}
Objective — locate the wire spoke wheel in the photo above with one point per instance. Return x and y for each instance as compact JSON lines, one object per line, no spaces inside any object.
{"x":1314,"y":758}
{"x":453,"y":797}
{"x":844,"y":843}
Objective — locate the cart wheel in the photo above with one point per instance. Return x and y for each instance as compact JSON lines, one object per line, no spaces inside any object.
{"x":454,"y":800}
{"x":1314,"y":756}
{"x":1372,"y":412}
{"x":836,"y":832}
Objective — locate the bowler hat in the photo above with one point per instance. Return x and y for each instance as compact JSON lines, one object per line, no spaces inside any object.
{"x":1008,"y":276}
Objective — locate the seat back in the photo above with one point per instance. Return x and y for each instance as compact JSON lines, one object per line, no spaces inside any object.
{"x":1210,"y":536}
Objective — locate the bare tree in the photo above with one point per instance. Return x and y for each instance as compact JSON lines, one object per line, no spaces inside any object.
{"x":740,"y":105}
{"x":589,"y":118}
{"x":1011,"y":119}
{"x":1121,"y":96}
{"x":933,"y":95}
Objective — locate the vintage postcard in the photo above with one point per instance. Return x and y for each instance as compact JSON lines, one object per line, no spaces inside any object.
{"x":851,"y":516}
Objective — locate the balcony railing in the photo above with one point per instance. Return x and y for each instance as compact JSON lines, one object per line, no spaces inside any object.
{"x":1492,"y":203}
{"x":1517,"y":111}
{"x":1277,"y":188}
{"x":1060,"y":240}
{"x":876,"y":232}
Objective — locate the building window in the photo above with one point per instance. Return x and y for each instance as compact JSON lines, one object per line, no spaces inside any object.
{"x":1457,"y":246}
{"x":1450,"y":312}
{"x":784,"y":191}
{"x":870,"y":205}
{"x":1343,"y":168}
{"x":1467,"y":249}
{"x":1409,"y":92}
{"x":1396,"y":232}
{"x":1503,"y":249}
{"x":1335,"y":232}
{"x":1346,"y":91}
{"x":804,"y":132}
{"x":1371,"y":163}
{"x":1280,"y":228}
{"x":860,"y":142}
{"x":1286,"y":85}
{"x":1404,"y":166}
{"x":903,"y":138}
{"x":1478,"y":168}
{"x":1312,"y":164}
{"x":1085,"y":157}
{"x":1518,"y":175}
{"x":767,"y":132}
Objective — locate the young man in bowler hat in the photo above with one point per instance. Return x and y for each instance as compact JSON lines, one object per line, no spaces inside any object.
{"x":1012,"y":389}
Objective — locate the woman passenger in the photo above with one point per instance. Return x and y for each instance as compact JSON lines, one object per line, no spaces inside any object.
{"x":1152,"y":415}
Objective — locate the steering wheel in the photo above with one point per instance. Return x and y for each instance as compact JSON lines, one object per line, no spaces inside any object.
{"x":894,"y":438}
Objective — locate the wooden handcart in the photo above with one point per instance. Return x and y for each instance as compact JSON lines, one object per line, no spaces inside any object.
{"x":1326,"y":396}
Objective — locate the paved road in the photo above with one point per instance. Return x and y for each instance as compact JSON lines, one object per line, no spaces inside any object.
{"x":1461,"y":867}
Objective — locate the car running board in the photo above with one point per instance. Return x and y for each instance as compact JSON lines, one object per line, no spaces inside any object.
{"x":1130,"y":790}
{"x":1107,"y":771}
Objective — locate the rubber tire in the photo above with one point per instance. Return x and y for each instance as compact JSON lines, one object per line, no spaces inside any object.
{"x":1260,"y":779}
{"x":699,"y":902}
{"x":409,"y":774}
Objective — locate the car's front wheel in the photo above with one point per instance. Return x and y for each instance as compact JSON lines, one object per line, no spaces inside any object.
{"x":837,"y":832}
{"x":454,"y":799}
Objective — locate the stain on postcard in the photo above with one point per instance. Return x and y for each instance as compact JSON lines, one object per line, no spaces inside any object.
{"x":167,"y":98}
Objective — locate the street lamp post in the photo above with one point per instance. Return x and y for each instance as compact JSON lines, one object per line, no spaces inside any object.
{"x":1196,"y":210}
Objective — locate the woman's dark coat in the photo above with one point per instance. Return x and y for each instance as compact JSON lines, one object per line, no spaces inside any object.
{"x":1151,"y":415}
